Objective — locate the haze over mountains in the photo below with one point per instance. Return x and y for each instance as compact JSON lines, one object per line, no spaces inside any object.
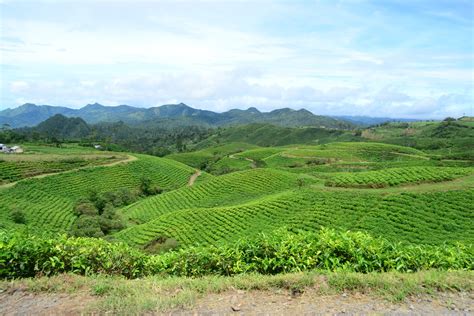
{"x":178,"y":115}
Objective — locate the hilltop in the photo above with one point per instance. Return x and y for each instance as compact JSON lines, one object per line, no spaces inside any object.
{"x":168,"y":114}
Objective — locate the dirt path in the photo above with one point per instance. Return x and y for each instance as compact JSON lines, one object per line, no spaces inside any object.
{"x":25,"y":303}
{"x":238,"y":302}
{"x":310,"y":303}
{"x":130,"y":158}
{"x":410,"y":155}
{"x":253,"y":164}
{"x":193,"y":178}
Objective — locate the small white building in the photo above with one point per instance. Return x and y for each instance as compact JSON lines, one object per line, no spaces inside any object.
{"x":10,"y":150}
{"x":16,"y":149}
{"x":97,"y":147}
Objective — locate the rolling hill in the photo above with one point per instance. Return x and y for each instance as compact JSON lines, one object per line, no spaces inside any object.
{"x":169,"y":114}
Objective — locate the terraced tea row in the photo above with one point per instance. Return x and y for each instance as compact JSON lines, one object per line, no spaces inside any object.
{"x":235,"y":188}
{"x":11,"y":171}
{"x":349,"y":152}
{"x":396,"y":176}
{"x":47,"y":202}
{"x":201,"y":158}
{"x":430,"y":218}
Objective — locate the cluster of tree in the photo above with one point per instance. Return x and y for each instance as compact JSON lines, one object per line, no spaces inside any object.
{"x":97,"y":214}
{"x":8,"y":135}
{"x":152,"y":139}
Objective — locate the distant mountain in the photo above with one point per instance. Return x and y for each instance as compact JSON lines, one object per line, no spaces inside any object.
{"x":368,"y":120}
{"x":168,"y":115}
{"x":60,"y":126}
{"x":30,"y":114}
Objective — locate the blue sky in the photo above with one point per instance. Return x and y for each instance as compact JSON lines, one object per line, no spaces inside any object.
{"x":378,"y":58}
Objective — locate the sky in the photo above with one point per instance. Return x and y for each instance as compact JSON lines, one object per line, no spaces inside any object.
{"x":411,"y":59}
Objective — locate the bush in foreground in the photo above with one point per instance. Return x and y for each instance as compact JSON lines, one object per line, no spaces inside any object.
{"x":281,"y":252}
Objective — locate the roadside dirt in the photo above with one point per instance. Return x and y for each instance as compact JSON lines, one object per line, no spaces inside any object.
{"x":130,"y":158}
{"x":310,"y":303}
{"x":193,"y":178}
{"x":18,"y":302}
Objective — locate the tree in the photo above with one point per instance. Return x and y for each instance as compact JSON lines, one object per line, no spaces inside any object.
{"x":300,"y":182}
{"x":85,"y":207}
{"x":98,"y":200}
{"x":18,"y":215}
{"x":87,"y":226}
{"x":145,"y":186}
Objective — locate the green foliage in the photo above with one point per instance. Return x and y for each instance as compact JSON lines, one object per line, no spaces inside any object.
{"x":224,"y":190}
{"x":18,"y":215}
{"x":85,"y":207}
{"x":49,"y":202}
{"x":31,"y":255}
{"x":14,"y":170}
{"x":283,"y":251}
{"x":160,"y":245}
{"x":87,"y":226}
{"x":146,"y":187}
{"x":396,"y":176}
{"x":192,"y":217}
{"x":97,"y":217}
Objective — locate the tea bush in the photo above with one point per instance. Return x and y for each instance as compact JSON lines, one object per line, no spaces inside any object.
{"x":22,"y":255}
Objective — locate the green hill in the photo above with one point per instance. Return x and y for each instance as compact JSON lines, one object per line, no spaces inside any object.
{"x":168,"y":114}
{"x":425,"y":218}
{"x":48,"y":202}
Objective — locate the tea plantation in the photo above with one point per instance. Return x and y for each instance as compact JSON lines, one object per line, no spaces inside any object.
{"x":236,"y":208}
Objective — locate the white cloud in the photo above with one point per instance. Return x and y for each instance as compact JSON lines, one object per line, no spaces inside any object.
{"x":329,"y":58}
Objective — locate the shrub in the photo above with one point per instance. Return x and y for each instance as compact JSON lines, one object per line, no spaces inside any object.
{"x":23,"y":255}
{"x":86,"y":226}
{"x":160,"y":245}
{"x":18,"y":216}
{"x":85,"y":207}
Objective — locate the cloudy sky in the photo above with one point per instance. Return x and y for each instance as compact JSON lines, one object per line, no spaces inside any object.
{"x":380,"y":58}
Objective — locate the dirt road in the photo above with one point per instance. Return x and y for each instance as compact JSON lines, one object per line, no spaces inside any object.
{"x":19,"y":302}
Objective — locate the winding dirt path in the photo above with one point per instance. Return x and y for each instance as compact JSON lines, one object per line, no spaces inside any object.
{"x":193,"y":178}
{"x":253,"y":164}
{"x":130,"y":158}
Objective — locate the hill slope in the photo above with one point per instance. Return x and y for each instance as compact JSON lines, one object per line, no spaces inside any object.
{"x":48,"y":202}
{"x":178,"y":114}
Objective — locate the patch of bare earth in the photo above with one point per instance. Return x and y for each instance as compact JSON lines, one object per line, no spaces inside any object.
{"x":310,"y":303}
{"x":279,"y":302}
{"x":20,"y":302}
{"x":193,"y":178}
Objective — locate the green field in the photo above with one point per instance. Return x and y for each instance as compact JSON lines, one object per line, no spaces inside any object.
{"x":47,"y":202}
{"x":38,"y":160}
{"x":403,"y":195}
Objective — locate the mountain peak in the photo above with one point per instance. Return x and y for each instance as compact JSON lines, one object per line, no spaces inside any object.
{"x":253,"y":110}
{"x":93,"y":106}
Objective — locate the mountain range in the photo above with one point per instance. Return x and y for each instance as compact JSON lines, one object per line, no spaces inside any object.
{"x":171,"y":115}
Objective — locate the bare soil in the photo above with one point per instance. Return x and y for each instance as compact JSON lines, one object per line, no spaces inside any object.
{"x":281,"y":302}
{"x":20,"y":302}
{"x":193,"y":178}
{"x":310,"y":303}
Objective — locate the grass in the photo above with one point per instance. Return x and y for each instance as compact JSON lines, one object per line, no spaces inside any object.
{"x":161,"y":294}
